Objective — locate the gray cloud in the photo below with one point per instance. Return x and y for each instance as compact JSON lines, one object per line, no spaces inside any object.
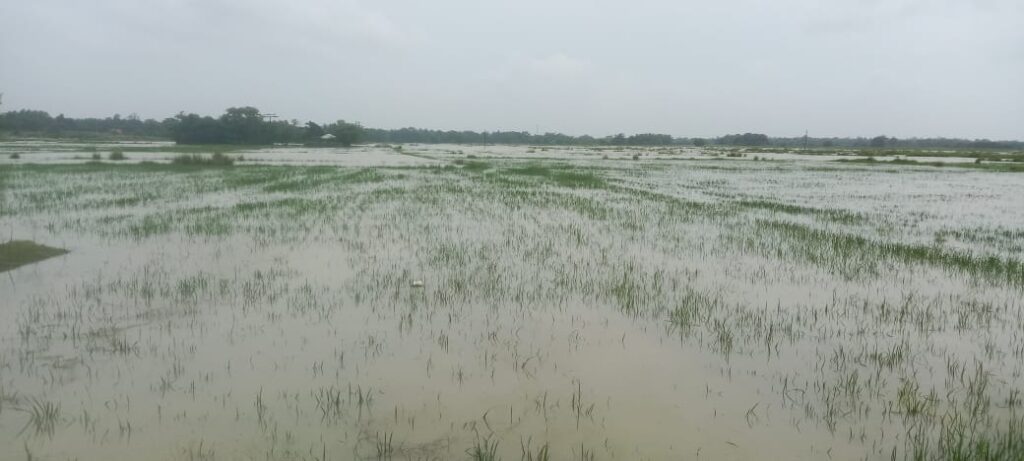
{"x":843,"y":67}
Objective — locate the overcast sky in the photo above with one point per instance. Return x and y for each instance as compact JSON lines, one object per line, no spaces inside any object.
{"x":903,"y":68}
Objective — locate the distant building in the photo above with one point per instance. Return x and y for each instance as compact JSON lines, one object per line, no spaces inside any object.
{"x":327,"y":137}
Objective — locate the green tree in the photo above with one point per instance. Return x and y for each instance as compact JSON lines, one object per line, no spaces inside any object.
{"x":245,"y":125}
{"x":313,"y":131}
{"x":193,"y":129}
{"x":650,"y":139}
{"x":27,"y":120}
{"x":345,"y":134}
{"x":745,"y":139}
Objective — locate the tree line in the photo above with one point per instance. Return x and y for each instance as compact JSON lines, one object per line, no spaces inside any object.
{"x":238,"y":125}
{"x":248,"y":126}
{"x":37,"y":122}
{"x":889,"y":142}
{"x":419,"y":135}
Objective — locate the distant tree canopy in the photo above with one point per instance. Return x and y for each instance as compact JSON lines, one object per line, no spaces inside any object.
{"x":193,"y":129}
{"x":745,"y":139}
{"x":650,"y":139}
{"x":344,"y":133}
{"x":238,"y":125}
{"x":40,"y":122}
{"x":313,"y":131}
{"x":247,"y":126}
{"x":894,"y":143}
{"x":418,"y":135}
{"x":882,"y":141}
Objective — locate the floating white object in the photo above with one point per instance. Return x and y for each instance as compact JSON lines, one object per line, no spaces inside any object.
{"x":417,"y":284}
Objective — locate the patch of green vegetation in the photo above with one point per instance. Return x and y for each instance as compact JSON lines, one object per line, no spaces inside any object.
{"x":303,"y":179}
{"x":252,"y":176}
{"x":833,"y":215}
{"x":961,"y":440}
{"x":17,"y":253}
{"x":988,"y":155}
{"x":473,"y":165}
{"x":853,"y":254}
{"x":999,"y":166}
{"x":1005,"y":239}
{"x":218,"y":159}
{"x":675,"y":205}
{"x":483,"y":450}
{"x":150,"y":225}
{"x":966,"y":153}
{"x":367,"y":175}
{"x":561,"y":176}
{"x":298,"y":183}
{"x":199,"y":221}
{"x":296,"y":206}
{"x":179,"y":148}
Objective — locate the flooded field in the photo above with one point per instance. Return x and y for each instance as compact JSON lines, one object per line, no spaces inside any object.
{"x":458,"y":302}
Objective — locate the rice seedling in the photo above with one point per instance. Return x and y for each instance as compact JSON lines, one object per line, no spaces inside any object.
{"x":385,"y":446}
{"x":528,"y":454}
{"x":200,"y":452}
{"x":43,"y":415}
{"x":261,"y":409}
{"x":329,"y":403}
{"x":484,"y":449}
